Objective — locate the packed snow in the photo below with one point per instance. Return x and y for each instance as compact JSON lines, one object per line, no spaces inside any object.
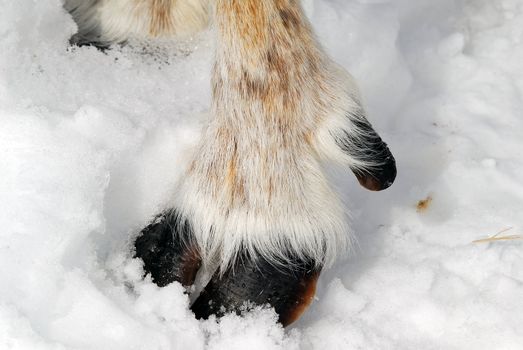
{"x":92,"y":143}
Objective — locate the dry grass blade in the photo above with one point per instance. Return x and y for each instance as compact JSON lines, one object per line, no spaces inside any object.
{"x":497,"y":237}
{"x":503,"y":238}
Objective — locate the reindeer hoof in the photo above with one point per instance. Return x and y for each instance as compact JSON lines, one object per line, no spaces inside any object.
{"x":167,"y":251}
{"x":257,"y":282}
{"x":77,"y":40}
{"x":381,"y":177}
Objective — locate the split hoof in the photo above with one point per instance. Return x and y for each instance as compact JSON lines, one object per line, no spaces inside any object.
{"x":249,"y":283}
{"x":170,"y":255}
{"x":167,"y":250}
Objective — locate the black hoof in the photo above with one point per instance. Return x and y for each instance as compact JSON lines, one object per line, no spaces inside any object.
{"x":382,"y":176}
{"x":369,"y":148}
{"x":249,"y":283}
{"x":167,"y":250}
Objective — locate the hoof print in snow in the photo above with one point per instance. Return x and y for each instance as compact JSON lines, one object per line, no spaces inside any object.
{"x":167,"y":250}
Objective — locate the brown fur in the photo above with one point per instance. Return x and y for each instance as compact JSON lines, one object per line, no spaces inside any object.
{"x":161,"y":20}
{"x":272,"y":72}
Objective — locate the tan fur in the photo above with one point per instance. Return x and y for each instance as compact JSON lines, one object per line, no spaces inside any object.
{"x":257,"y":163}
{"x":255,"y":182}
{"x":162,"y":20}
{"x":113,"y":21}
{"x":264,"y":76}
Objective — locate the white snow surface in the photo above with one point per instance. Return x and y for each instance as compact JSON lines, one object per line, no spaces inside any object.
{"x":92,"y":143}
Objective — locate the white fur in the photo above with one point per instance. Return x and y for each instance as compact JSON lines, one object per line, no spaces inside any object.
{"x":340,"y":120}
{"x":115,"y":21}
{"x":296,"y":213}
{"x":305,"y":219}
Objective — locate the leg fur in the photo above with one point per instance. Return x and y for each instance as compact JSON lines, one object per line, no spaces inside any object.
{"x":104,"y":22}
{"x":280,"y":106}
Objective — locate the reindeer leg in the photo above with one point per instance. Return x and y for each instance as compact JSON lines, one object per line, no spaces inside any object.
{"x":289,"y":290}
{"x":168,"y":251}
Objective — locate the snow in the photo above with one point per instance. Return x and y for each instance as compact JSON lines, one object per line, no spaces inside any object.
{"x":92,"y":143}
